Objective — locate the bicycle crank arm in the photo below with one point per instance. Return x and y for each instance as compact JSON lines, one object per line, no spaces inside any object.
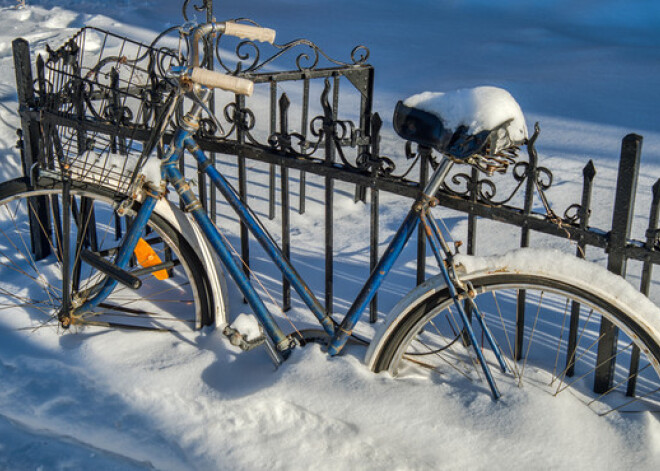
{"x":111,"y":270}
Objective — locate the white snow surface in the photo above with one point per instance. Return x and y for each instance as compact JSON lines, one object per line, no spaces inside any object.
{"x":108,"y":400}
{"x":480,"y":109}
{"x":247,"y":325}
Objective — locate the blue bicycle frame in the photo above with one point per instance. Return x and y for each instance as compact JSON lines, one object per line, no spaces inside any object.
{"x":182,"y":141}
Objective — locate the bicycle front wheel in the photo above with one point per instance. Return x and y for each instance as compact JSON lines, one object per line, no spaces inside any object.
{"x":548,"y":327}
{"x":174,"y":291}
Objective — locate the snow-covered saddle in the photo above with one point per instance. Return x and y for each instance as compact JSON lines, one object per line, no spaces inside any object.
{"x":463,"y":122}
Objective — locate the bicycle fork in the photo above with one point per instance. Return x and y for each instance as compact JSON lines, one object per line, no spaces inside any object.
{"x":421,"y":212}
{"x":438,"y":243}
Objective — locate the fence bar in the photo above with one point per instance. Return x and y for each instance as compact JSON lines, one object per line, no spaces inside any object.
{"x":645,"y":284}
{"x":286,"y":237}
{"x":425,"y":155}
{"x":304,"y":123}
{"x":284,"y":187}
{"x":376,"y":124}
{"x":473,"y":188}
{"x":271,"y":167}
{"x":524,"y":242}
{"x":624,"y":205}
{"x":328,"y":132}
{"x":366,"y":111}
{"x":588,"y":174}
{"x":242,"y":184}
{"x":472,"y":219}
{"x":31,"y":149}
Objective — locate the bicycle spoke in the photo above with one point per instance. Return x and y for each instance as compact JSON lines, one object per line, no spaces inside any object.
{"x":616,"y":385}
{"x":561,"y":336}
{"x":43,"y":229}
{"x":633,"y":400}
{"x":568,"y":385}
{"x":443,"y":359}
{"x":577,"y":344}
{"x":26,"y":254}
{"x":531,"y":338}
{"x":513,"y":365}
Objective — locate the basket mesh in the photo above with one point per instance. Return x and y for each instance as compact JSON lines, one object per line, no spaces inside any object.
{"x":107,"y":93}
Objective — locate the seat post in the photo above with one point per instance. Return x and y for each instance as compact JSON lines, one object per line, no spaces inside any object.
{"x":438,"y":176}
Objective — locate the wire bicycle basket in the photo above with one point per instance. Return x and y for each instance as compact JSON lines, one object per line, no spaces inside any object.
{"x":107,"y":94}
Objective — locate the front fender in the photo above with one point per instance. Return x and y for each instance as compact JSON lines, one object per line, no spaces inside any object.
{"x":543,"y":263}
{"x":399,"y":312}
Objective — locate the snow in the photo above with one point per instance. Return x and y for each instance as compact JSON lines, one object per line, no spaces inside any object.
{"x":247,"y":325}
{"x":480,"y":109}
{"x":97,"y":399}
{"x":573,"y":270}
{"x":115,"y":170}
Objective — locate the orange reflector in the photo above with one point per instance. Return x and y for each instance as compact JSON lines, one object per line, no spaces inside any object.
{"x":147,"y":257}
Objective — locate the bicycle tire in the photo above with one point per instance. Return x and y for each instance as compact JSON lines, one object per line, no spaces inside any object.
{"x":32,"y":288}
{"x":423,"y":338}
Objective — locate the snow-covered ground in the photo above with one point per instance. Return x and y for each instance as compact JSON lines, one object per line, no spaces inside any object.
{"x":586,"y":69}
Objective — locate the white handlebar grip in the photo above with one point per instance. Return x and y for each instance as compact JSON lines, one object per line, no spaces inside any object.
{"x":214,"y":79}
{"x":257,"y":33}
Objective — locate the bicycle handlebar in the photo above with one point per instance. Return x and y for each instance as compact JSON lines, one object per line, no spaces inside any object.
{"x":213,"y":79}
{"x":253,"y":33}
{"x":230,"y":28}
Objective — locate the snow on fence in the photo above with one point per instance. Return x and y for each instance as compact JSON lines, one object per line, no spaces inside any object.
{"x":338,"y":147}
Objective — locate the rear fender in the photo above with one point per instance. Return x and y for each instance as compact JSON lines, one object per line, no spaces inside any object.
{"x":183,"y":223}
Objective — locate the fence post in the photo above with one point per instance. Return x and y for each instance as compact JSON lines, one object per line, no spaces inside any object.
{"x":588,"y":174}
{"x":330,"y":116}
{"x":376,"y":124}
{"x":284,"y":187}
{"x":271,"y":167}
{"x":624,"y":205}
{"x":645,"y":284}
{"x":31,"y":153}
{"x":524,"y":240}
{"x":26,"y":100}
{"x":242,"y":181}
{"x":425,"y":157}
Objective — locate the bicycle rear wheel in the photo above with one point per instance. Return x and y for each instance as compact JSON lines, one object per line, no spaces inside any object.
{"x":175,"y":291}
{"x":552,"y":345}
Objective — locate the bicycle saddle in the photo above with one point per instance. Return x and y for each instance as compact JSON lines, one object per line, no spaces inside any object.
{"x":463,"y":122}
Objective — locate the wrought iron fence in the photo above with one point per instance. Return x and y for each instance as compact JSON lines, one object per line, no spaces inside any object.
{"x":338,"y":147}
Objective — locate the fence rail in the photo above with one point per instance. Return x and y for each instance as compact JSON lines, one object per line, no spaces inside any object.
{"x":343,"y":149}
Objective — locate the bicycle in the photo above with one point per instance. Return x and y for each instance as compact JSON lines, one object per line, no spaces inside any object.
{"x":98,"y":244}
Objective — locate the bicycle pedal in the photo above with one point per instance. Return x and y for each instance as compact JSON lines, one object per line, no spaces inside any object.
{"x":241,"y":340}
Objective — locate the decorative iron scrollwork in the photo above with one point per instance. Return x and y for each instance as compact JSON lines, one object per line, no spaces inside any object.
{"x":248,"y":54}
{"x":484,"y":190}
{"x":572,"y":213}
{"x":206,"y":6}
{"x":371,"y":161}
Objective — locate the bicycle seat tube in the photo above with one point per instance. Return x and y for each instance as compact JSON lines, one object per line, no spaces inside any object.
{"x":387,"y":260}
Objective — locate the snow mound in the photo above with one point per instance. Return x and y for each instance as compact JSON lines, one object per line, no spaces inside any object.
{"x":247,"y":325}
{"x":480,"y":109}
{"x":573,"y":270}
